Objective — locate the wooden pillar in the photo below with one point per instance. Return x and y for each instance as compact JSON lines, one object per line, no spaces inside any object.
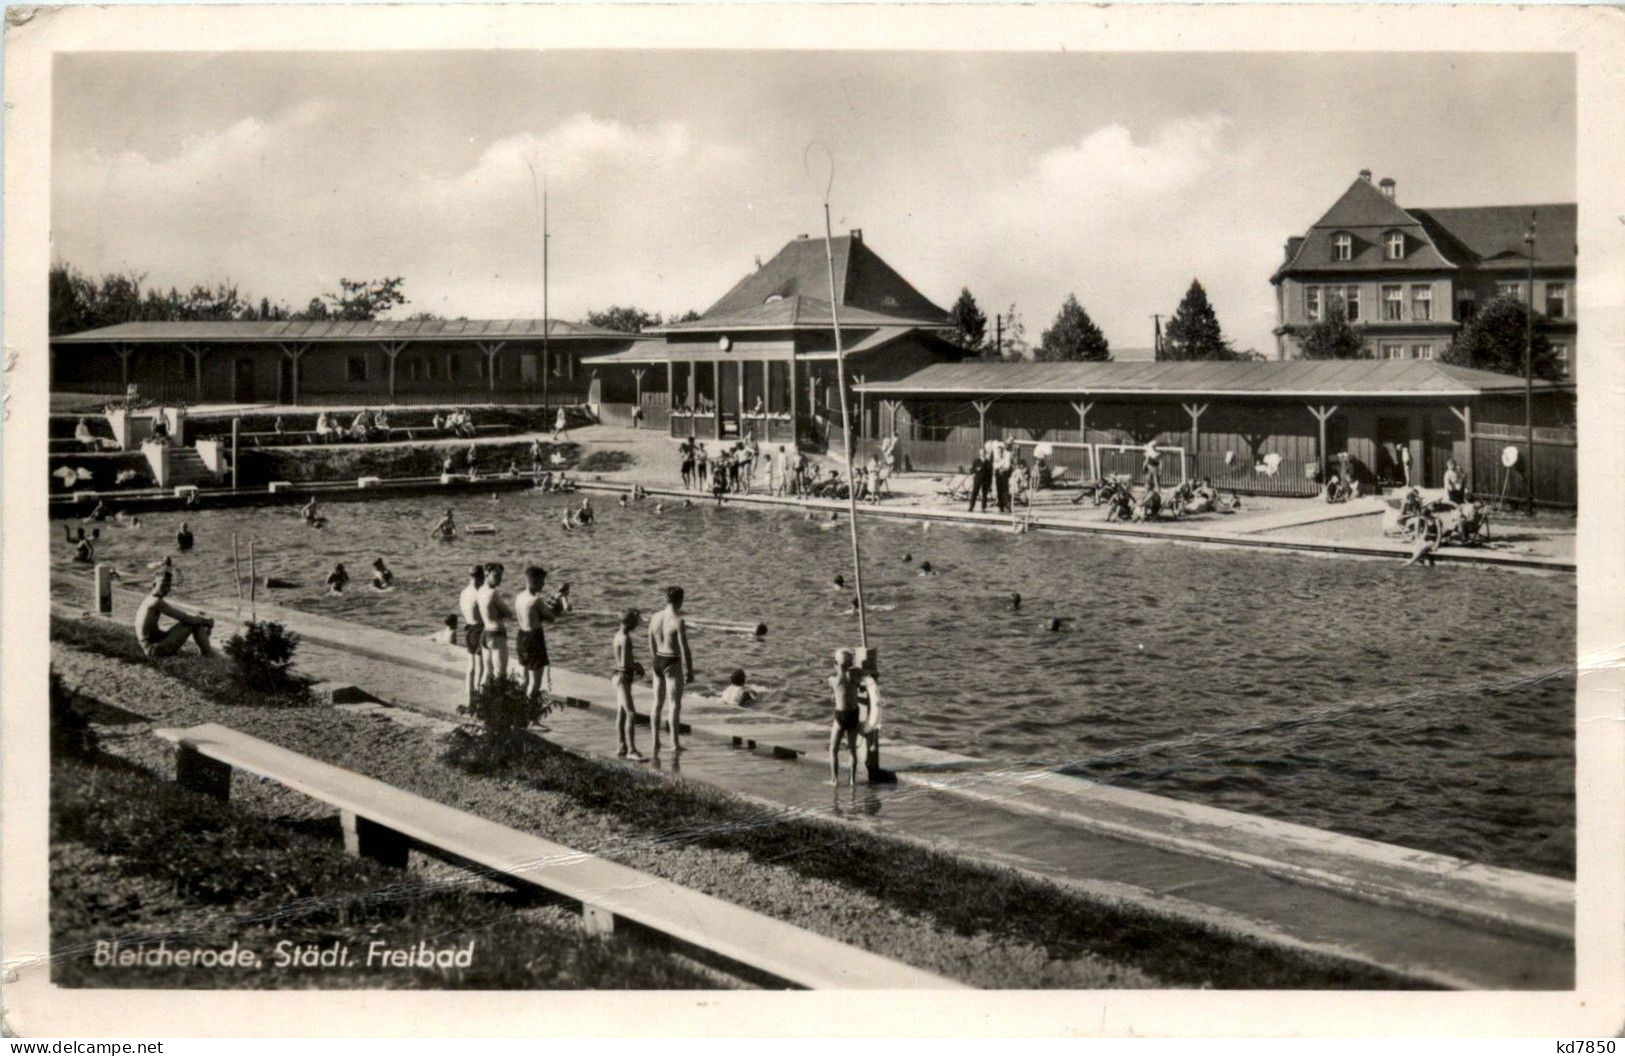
{"x":124,"y":352}
{"x":1195,"y":411}
{"x":195,"y":352}
{"x":716,"y":397}
{"x":1322,"y":413}
{"x":863,"y":407}
{"x":392,"y":349}
{"x":795,"y":405}
{"x":1465,"y":414}
{"x":637,"y":385}
{"x":294,"y":353}
{"x":492,"y":349}
{"x":981,"y":417}
{"x":671,"y":387}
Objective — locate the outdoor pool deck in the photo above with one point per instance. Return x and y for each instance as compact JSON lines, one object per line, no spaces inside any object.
{"x":1304,"y":525}
{"x":1429,"y":917}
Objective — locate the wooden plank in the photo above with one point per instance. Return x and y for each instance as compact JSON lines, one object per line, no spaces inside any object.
{"x":782,"y":950}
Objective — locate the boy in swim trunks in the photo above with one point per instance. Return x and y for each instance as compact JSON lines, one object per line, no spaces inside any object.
{"x":530,"y":608}
{"x":156,"y":641}
{"x":673,"y":664}
{"x":845,"y":726}
{"x":621,"y":676}
{"x":494,"y":615}
{"x":468,"y":604}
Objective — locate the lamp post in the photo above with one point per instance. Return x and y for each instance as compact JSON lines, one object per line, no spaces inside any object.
{"x":1528,"y":369}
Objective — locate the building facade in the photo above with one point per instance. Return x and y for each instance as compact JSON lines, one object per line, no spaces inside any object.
{"x":761,"y":360}
{"x":333,"y":362}
{"x":1409,"y":278}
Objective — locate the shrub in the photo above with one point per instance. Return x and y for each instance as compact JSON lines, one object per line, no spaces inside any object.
{"x":500,"y":711}
{"x":263,"y":652}
{"x":71,"y":733}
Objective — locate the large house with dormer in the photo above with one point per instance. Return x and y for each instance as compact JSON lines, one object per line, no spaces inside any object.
{"x":1409,"y":277}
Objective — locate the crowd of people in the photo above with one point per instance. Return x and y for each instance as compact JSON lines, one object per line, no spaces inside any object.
{"x":745,"y":465}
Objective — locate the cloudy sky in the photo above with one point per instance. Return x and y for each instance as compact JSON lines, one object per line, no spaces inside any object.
{"x":1022,"y":176}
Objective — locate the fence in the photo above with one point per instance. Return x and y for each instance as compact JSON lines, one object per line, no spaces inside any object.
{"x":1553,"y":464}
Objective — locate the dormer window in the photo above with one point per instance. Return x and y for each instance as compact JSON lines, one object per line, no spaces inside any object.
{"x":1342,"y":246}
{"x":1396,"y":245}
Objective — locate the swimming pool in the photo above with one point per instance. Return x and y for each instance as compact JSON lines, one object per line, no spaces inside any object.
{"x":1431,"y":708}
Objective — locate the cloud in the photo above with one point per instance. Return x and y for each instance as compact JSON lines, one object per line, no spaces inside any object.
{"x":1125,"y":218}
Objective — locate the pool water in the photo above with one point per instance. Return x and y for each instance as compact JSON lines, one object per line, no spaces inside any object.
{"x":1432,"y":708}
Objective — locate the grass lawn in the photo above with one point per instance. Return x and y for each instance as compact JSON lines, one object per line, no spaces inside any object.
{"x":138,"y":860}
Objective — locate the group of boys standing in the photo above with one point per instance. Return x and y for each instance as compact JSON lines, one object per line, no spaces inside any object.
{"x":487,"y":613}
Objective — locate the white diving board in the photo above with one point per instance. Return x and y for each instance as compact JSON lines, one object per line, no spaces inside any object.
{"x":383,"y":822}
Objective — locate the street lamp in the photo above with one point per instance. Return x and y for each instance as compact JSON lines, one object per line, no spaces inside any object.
{"x":1528,"y":368}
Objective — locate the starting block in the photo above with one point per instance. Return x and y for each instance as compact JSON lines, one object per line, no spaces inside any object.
{"x":280,"y":485}
{"x":186,"y":491}
{"x":368,"y":482}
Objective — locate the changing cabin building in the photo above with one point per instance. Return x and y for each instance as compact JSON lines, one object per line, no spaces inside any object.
{"x":333,"y":362}
{"x":1409,"y":278}
{"x":761,"y":360}
{"x":1252,"y":427}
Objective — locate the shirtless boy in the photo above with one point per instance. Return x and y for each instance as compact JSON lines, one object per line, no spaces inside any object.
{"x":156,"y":641}
{"x":495,"y":611}
{"x":673,"y":664}
{"x":468,"y":603}
{"x":843,"y":687}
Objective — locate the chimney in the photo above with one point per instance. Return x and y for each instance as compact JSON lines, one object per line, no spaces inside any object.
{"x":1388,"y":186}
{"x":1365,"y":174}
{"x":857,"y":234}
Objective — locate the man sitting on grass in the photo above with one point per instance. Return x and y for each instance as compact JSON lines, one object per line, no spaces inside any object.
{"x":155,"y":641}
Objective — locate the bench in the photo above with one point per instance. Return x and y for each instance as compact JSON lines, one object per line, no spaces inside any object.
{"x":384,"y":823}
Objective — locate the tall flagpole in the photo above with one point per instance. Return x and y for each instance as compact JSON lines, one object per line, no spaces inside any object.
{"x":545,"y":322}
{"x":846,"y":423}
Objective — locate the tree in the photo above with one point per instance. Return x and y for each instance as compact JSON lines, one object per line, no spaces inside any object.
{"x":425,"y":317}
{"x":970,"y":322}
{"x":1494,"y":340}
{"x":1334,"y":337}
{"x":365,"y":298}
{"x":316,"y":309}
{"x":1193,"y":330}
{"x":1073,"y":336}
{"x":627,"y":319}
{"x":687,"y":317}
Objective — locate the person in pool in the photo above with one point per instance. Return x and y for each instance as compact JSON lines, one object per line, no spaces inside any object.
{"x":85,"y":552}
{"x":382,"y":577}
{"x":183,"y":538}
{"x":446,"y":527}
{"x":312,"y":514}
{"x":737,"y":693}
{"x":337,"y":579}
{"x":621,"y":676}
{"x":844,"y":727}
{"x":585,"y":514}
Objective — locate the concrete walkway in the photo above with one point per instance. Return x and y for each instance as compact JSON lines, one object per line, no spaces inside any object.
{"x":1426,"y":916}
{"x":1312,"y":512}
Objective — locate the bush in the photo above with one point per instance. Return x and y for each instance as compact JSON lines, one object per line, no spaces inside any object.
{"x":263,"y":652}
{"x":71,"y":733}
{"x":501,"y":712}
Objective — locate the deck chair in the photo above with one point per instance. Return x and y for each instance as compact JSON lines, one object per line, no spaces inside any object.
{"x":956,"y":487}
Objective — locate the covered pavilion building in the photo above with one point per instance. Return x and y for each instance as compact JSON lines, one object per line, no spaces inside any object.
{"x":761,"y":360}
{"x":1256,"y":427}
{"x":333,"y":361}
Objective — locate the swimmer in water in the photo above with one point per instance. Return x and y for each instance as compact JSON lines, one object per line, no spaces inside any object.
{"x":907,"y":558}
{"x":688,"y":504}
{"x":1015,"y":601}
{"x":660,"y":507}
{"x":312,"y":513}
{"x":1055,"y":623}
{"x":584,"y":515}
{"x":337,"y":579}
{"x":85,"y":552}
{"x":622,"y":500}
{"x":839,"y":583}
{"x":446,"y":527}
{"x":183,"y":538}
{"x":926,"y":569}
{"x":382,"y":577}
